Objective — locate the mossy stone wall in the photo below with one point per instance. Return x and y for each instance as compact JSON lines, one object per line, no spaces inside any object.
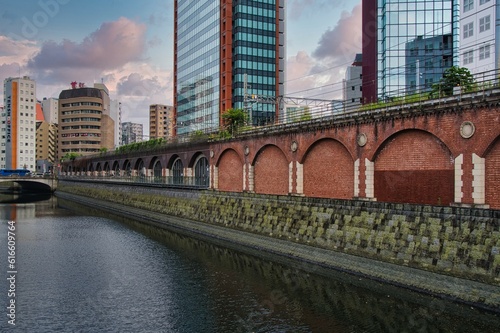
{"x":462,"y":242}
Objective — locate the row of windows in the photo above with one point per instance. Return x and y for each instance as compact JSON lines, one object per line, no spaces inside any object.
{"x":67,"y":105}
{"x":469,"y":4}
{"x":255,"y":52}
{"x":66,"y":143}
{"x":410,"y":5}
{"x":484,"y":25}
{"x":71,"y":135}
{"x":25,"y":137}
{"x":81,"y":127}
{"x":242,"y":36}
{"x":255,"y":65}
{"x":21,"y":129}
{"x":259,"y":11}
{"x":28,"y":85}
{"x":484,"y":53}
{"x":65,"y":113}
{"x":69,"y":120}
{"x":256,"y":79}
{"x":254,"y":24}
{"x":20,"y":114}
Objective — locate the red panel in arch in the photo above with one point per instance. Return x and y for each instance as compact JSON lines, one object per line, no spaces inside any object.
{"x":271,"y":172}
{"x":414,"y":167}
{"x":328,"y":171}
{"x":230,"y":172}
{"x":492,"y":181}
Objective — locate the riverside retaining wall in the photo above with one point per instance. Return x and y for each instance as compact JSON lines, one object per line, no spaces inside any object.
{"x":461,"y":242}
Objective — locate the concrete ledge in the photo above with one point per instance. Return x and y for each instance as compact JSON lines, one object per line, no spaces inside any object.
{"x":317,"y":260}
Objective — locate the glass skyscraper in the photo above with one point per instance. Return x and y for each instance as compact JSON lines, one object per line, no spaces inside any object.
{"x":226,"y":52}
{"x":416,"y":41}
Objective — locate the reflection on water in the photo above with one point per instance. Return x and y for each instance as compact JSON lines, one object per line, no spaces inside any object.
{"x":83,"y":272}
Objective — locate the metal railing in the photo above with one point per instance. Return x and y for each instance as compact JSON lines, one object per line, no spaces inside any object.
{"x":164,"y":181}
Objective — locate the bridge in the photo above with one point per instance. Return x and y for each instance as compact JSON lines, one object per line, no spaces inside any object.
{"x":436,"y":152}
{"x":28,"y":184}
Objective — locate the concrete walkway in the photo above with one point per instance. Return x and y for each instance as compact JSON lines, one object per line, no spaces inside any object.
{"x":309,"y":258}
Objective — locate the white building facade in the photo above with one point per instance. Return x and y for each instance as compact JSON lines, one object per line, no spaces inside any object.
{"x":478,"y":33}
{"x":18,"y":124}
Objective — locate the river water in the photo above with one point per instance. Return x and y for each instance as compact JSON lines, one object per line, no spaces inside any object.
{"x":81,"y":272}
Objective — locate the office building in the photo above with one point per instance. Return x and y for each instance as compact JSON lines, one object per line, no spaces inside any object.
{"x":115,"y":111}
{"x":479,"y":48}
{"x":402,"y":26}
{"x":50,"y":108}
{"x":161,"y":121}
{"x":131,"y":132}
{"x":223,"y":52}
{"x":18,"y":127}
{"x":85,"y":124}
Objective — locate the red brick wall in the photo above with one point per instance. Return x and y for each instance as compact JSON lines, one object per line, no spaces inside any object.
{"x":414,"y":167}
{"x":493,"y":176}
{"x":271,"y":171}
{"x":328,"y":171}
{"x":230,"y":172}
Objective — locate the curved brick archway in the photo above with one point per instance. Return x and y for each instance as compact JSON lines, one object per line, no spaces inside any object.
{"x":414,"y":167}
{"x":271,"y":171}
{"x":492,"y":173}
{"x":328,"y":171}
{"x":230,"y":172}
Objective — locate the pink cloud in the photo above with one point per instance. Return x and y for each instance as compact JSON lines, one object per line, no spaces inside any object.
{"x":343,"y":41}
{"x":111,"y":46}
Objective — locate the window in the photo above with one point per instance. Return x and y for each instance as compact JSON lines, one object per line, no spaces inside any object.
{"x":468,"y":30}
{"x":482,"y":2}
{"x":468,"y":5}
{"x":484,"y":23}
{"x":484,"y":52}
{"x":468,"y":57}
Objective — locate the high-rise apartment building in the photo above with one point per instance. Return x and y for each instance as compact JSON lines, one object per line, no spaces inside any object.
{"x":115,"y":111}
{"x":50,"y":108}
{"x":161,"y":121}
{"x":85,"y":124}
{"x":479,"y":47}
{"x":353,"y":88}
{"x":46,"y":143}
{"x":18,"y":127}
{"x":413,"y":37}
{"x":224,"y":51}
{"x":131,"y":132}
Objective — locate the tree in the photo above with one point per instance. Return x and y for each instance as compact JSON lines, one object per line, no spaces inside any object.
{"x":453,"y":77}
{"x":234,"y":119}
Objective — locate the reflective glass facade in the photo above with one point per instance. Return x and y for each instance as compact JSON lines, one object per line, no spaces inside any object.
{"x":255,"y":54}
{"x":197,"y":65}
{"x":417,"y":41}
{"x":225,"y":52}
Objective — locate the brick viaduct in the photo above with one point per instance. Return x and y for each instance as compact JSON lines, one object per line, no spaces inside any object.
{"x":441,"y":152}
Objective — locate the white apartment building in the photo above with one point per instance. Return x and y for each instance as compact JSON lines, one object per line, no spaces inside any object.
{"x":50,"y":109}
{"x":478,"y":50}
{"x":115,"y":112}
{"x":353,"y":83}
{"x":18,"y":124}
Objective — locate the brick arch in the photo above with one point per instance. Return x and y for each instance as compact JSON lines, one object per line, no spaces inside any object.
{"x":414,"y":166}
{"x":230,"y":166}
{"x":271,"y":171}
{"x":492,"y":173}
{"x":328,"y":170}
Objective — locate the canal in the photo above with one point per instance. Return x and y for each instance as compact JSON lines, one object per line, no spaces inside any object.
{"x":76,"y":271}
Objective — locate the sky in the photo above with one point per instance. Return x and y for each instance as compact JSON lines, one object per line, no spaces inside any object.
{"x":128,"y":46}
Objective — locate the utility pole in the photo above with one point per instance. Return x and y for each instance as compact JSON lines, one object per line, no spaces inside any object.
{"x":245,"y":99}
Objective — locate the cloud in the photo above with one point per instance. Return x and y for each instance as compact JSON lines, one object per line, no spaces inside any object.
{"x":343,"y":41}
{"x":297,"y":8}
{"x":113,"y":45}
{"x":136,"y":84}
{"x":19,"y":52}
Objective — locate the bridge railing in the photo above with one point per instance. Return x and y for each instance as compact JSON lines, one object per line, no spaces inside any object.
{"x":163,"y":181}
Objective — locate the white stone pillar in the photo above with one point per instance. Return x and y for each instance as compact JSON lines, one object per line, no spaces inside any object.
{"x":290,"y":177}
{"x":459,"y":161}
{"x":216,"y":177}
{"x":244,"y":177}
{"x":300,"y":178}
{"x":251,"y":178}
{"x":356,"y":178}
{"x":478,"y":180}
{"x":370,"y":179}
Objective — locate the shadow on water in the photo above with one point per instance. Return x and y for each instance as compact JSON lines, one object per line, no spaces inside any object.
{"x":318,"y":301}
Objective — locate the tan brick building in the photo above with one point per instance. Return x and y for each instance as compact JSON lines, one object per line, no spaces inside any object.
{"x":161,"y":121}
{"x":85,"y":125}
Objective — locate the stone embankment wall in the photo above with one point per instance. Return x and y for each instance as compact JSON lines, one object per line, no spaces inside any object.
{"x":462,"y":242}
